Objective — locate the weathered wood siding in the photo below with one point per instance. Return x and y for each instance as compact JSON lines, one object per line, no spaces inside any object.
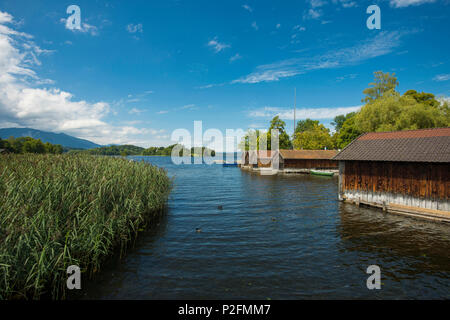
{"x":264,"y":163}
{"x":310,"y":164}
{"x":420,"y":180}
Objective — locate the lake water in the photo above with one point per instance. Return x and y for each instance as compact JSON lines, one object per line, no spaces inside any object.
{"x":276,"y":237}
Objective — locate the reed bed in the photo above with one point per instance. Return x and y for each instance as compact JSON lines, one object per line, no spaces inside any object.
{"x":62,"y":210}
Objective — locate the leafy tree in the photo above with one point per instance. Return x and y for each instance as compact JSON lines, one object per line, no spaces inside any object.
{"x":316,"y":138}
{"x":284,"y":140}
{"x":348,"y":132}
{"x":395,"y":112}
{"x":339,"y":120}
{"x":306,"y":124}
{"x":384,"y":82}
{"x":423,"y":97}
{"x":244,"y":144}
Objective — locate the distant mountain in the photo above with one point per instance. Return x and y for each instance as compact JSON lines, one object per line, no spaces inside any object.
{"x":51,"y":137}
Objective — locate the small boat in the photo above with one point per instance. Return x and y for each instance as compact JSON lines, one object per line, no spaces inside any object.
{"x":322,"y":173}
{"x":229,"y":164}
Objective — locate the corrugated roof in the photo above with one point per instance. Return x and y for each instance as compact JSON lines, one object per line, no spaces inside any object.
{"x":308,"y":154}
{"x":427,"y":145}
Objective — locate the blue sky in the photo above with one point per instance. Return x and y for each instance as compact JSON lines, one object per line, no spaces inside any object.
{"x":140,"y":69}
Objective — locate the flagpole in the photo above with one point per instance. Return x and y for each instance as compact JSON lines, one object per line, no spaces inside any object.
{"x":295,"y":107}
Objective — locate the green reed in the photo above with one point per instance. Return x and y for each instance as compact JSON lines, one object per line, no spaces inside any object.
{"x":61,"y":210}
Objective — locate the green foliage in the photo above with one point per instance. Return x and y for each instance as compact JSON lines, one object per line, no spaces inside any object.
{"x":347,"y":133}
{"x":387,"y":110}
{"x":244,"y":144}
{"x":393,"y":112}
{"x":284,"y":140}
{"x":304,"y":125}
{"x":201,"y":151}
{"x":130,"y":150}
{"x":60,"y":210}
{"x":115,"y":150}
{"x":315,"y":137}
{"x":383,"y":82}
{"x":277,"y":124}
{"x":339,"y":120}
{"x":29,"y":145}
{"x":423,"y":97}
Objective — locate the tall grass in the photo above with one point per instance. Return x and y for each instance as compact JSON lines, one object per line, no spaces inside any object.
{"x":61,"y":210}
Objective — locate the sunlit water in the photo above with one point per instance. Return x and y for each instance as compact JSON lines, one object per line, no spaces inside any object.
{"x":277,"y":237}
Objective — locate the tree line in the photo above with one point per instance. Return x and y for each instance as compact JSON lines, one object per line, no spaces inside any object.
{"x":384,"y":109}
{"x":130,"y":150}
{"x":29,"y":145}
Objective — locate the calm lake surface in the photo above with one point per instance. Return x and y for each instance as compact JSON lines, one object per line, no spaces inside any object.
{"x":277,"y":237}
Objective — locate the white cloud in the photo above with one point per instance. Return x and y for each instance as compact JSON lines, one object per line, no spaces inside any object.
{"x":381,"y":44}
{"x":442,"y":77}
{"x":247,"y":7}
{"x":301,"y":113}
{"x":22,"y":104}
{"x":299,"y":28}
{"x":135,"y":111}
{"x":133,"y":28}
{"x":85,"y":28}
{"x":255,"y":26}
{"x":189,"y":107}
{"x":346,"y":3}
{"x":407,"y":3}
{"x":278,"y":26}
{"x":237,"y":56}
{"x":317,"y":3}
{"x":218,"y":46}
{"x":5,"y":17}
{"x":313,"y":14}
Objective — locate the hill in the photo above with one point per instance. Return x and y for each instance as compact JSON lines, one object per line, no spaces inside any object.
{"x":51,"y":137}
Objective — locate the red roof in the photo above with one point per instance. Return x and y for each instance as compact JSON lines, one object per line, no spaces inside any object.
{"x":426,"y":145}
{"x":308,"y":154}
{"x":423,"y":133}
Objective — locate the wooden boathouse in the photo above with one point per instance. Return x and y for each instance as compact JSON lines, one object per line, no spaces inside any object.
{"x":257,"y":159}
{"x":406,"y":172}
{"x":291,"y":160}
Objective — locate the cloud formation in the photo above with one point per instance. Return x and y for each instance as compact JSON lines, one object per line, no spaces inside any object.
{"x":133,"y":28}
{"x":301,"y":113}
{"x":407,"y":3}
{"x":85,"y":28}
{"x":218,"y":46}
{"x":442,"y":77}
{"x":381,"y":44}
{"x":24,"y":104}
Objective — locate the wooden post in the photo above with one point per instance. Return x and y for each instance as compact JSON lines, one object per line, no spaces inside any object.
{"x":341,"y":177}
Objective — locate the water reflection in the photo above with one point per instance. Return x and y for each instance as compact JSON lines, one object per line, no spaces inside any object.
{"x":279,"y":237}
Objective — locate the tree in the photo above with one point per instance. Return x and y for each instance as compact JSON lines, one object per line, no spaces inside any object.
{"x":33,"y":146}
{"x":339,"y":120}
{"x":384,"y":82}
{"x":395,"y":112}
{"x":316,"y":138}
{"x":423,"y":97}
{"x":284,"y":140}
{"x":244,"y":144}
{"x":304,"y":125}
{"x":348,"y":132}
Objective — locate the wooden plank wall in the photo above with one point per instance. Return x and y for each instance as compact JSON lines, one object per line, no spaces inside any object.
{"x":267,"y":163}
{"x":423,"y":180}
{"x":310,"y":164}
